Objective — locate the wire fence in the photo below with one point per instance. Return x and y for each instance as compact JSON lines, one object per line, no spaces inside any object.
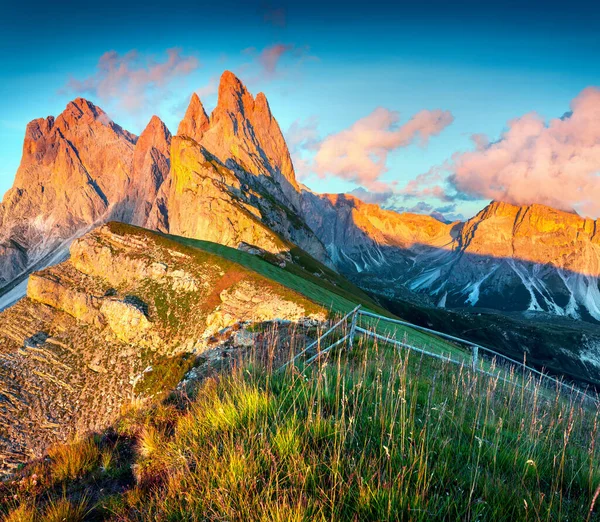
{"x":479,"y":358}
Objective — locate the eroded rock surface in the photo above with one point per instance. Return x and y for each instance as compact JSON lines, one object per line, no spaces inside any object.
{"x":74,"y":351}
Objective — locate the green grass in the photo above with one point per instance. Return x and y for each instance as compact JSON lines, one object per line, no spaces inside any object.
{"x":373,"y":434}
{"x":328,"y":289}
{"x":337,"y":299}
{"x":165,"y":374}
{"x":331,"y":290}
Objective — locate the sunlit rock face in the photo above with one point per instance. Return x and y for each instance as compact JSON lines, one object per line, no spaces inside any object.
{"x":232,"y":179}
{"x":92,"y":328}
{"x":507,"y":257}
{"x":150,"y":168}
{"x":227,"y":178}
{"x":73,"y":169}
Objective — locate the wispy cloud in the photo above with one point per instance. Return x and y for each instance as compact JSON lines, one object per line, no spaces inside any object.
{"x":556,"y":163}
{"x":359,"y":153}
{"x":132,"y":81}
{"x":274,"y":61}
{"x":270,"y":57}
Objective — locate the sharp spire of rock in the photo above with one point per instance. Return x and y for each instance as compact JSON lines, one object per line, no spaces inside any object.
{"x":195,"y":122}
{"x":156,"y":129}
{"x":233,"y":97}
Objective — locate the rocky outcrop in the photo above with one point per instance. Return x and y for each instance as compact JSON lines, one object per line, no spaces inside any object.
{"x":247,"y":302}
{"x":126,"y":319}
{"x":77,"y":348}
{"x":205,"y":200}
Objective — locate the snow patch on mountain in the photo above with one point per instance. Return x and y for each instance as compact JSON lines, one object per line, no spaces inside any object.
{"x":473,"y":288}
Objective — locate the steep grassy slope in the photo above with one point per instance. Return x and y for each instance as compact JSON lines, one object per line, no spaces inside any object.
{"x":322,"y":285}
{"x":372,"y":435}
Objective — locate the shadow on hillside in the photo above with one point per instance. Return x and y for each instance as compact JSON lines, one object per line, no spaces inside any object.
{"x":502,"y":317}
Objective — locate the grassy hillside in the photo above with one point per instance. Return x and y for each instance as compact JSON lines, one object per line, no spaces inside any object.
{"x":372,"y":435}
{"x":319,"y":283}
{"x":305,"y":276}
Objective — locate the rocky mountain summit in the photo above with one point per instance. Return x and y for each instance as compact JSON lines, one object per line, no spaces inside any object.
{"x":507,"y":257}
{"x":232,"y":171}
{"x":228,"y":178}
{"x":124,"y":317}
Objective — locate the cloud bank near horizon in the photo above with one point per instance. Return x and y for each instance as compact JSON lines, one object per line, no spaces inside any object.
{"x":555,"y":163}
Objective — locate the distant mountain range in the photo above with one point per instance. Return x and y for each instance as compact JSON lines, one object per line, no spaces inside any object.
{"x":229,"y":178}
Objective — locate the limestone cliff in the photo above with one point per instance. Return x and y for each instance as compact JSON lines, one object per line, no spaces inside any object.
{"x":73,"y":352}
{"x":74,"y":169}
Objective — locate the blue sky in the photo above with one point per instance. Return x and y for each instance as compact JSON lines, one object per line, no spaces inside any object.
{"x":485,"y":63}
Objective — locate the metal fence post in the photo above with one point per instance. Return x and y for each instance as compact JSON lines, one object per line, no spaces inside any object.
{"x":353,"y":328}
{"x":475,"y":357}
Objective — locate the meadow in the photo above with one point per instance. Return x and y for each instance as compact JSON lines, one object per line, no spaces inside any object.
{"x":373,"y":433}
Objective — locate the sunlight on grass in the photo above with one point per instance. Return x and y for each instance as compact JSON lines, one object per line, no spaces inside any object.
{"x":70,"y":461}
{"x":368,"y":434}
{"x":65,"y":510}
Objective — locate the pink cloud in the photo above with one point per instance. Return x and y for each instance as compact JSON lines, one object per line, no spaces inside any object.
{"x":555,"y":163}
{"x":210,"y":88}
{"x":274,"y":62}
{"x":132,"y":80}
{"x":303,"y":134}
{"x":270,"y":57}
{"x":359,"y":153}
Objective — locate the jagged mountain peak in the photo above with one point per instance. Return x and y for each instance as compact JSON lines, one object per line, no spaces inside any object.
{"x":498,"y":207}
{"x":195,"y":122}
{"x":261,"y":106}
{"x":83,"y":106}
{"x":234,"y":101}
{"x":81,"y":113}
{"x":156,"y":130}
